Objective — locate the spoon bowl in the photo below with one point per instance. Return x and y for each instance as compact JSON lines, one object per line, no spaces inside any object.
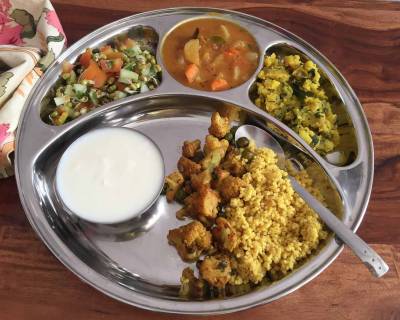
{"x":262,"y":138}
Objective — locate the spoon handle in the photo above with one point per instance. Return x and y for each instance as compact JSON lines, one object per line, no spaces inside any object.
{"x":367,"y":255}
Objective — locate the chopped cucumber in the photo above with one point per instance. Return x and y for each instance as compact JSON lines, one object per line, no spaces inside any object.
{"x":127,"y":76}
{"x":144,"y":88}
{"x":132,"y":52}
{"x":80,"y":88}
{"x":59,"y":101}
{"x":68,"y":90}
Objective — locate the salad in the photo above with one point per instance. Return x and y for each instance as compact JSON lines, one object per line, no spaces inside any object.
{"x":114,"y":71}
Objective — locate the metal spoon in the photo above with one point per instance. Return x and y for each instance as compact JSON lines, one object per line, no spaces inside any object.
{"x":367,"y":255}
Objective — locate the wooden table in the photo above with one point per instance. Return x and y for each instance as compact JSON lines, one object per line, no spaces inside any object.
{"x":362,"y":38}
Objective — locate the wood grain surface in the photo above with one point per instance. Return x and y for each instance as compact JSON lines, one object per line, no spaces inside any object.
{"x":362,"y":38}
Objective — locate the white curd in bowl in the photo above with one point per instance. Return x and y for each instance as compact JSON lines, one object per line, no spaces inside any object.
{"x":110,"y":175}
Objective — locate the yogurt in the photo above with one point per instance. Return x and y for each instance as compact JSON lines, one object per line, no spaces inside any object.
{"x":110,"y":175}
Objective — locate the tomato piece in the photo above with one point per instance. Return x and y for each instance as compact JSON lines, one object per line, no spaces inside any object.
{"x":85,"y":58}
{"x":110,"y":53}
{"x":114,"y":55}
{"x":105,"y":49}
{"x":117,"y":65}
{"x":121,"y":86}
{"x":94,"y":73}
{"x":112,"y":66}
{"x":106,"y":65}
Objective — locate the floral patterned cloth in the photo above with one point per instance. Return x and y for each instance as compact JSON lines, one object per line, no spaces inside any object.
{"x":31,"y":37}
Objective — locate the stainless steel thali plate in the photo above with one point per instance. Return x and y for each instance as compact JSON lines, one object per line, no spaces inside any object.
{"x":132,"y":262}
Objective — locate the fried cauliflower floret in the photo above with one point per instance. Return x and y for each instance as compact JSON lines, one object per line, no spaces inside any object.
{"x":219,"y":125}
{"x":190,"y":148}
{"x":191,"y":287}
{"x":207,"y":203}
{"x":201,"y":179}
{"x":219,"y":175}
{"x":174,"y":181}
{"x":188,"y":167}
{"x":212,"y":143}
{"x":203,"y":204}
{"x":190,"y":204}
{"x":189,"y":209}
{"x":214,"y":151}
{"x":230,"y":187}
{"x":182,"y":213}
{"x":229,"y":111}
{"x":211,"y":161}
{"x":224,"y":235}
{"x":190,"y":240}
{"x":216,"y":270}
{"x":233,"y":164}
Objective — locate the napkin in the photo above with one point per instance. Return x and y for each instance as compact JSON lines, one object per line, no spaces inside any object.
{"x":31,"y":37}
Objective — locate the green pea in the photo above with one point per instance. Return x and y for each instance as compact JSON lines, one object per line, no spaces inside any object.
{"x":180,"y":195}
{"x":233,"y":130}
{"x":229,"y":136}
{"x":221,"y":211}
{"x":242,"y":142}
{"x":247,"y":154}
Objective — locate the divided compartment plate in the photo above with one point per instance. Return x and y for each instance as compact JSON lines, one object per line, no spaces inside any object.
{"x":133,"y":262}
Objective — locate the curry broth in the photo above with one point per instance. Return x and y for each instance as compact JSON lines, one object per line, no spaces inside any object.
{"x":227,"y":55}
